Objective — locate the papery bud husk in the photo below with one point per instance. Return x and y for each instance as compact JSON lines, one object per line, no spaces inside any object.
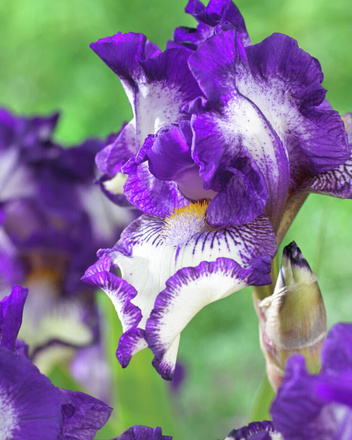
{"x":293,"y":318}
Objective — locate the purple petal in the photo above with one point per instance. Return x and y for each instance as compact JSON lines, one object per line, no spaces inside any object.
{"x":82,"y":415}
{"x":151,"y":195}
{"x":139,"y":432}
{"x":255,"y":431}
{"x":215,"y":13}
{"x":31,"y":403}
{"x":236,"y":129}
{"x":318,"y":133}
{"x":11,"y":311}
{"x":307,"y":406}
{"x":119,"y":291}
{"x":336,"y":353}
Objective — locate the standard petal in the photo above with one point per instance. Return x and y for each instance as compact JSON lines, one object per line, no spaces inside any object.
{"x":186,"y":293}
{"x":157,"y":87}
{"x":287,"y":88}
{"x":235,"y":127}
{"x":215,"y":13}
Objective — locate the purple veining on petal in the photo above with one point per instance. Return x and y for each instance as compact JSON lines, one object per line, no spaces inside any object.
{"x":130,"y":343}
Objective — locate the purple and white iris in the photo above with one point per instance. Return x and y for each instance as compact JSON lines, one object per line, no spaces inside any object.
{"x":31,"y":407}
{"x":53,"y":218}
{"x":226,"y":141}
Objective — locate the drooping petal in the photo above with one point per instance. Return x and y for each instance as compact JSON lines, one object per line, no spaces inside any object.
{"x":186,"y":293}
{"x":182,"y":242}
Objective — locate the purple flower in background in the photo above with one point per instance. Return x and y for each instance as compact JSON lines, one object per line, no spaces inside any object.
{"x":31,"y":407}
{"x":318,"y":406}
{"x":139,"y":432}
{"x":53,"y":219}
{"x":255,"y":431}
{"x":226,"y":141}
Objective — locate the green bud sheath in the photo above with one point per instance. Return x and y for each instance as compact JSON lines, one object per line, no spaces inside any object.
{"x":293,"y":318}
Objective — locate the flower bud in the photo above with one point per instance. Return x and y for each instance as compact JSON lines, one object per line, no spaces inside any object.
{"x":293,"y":318}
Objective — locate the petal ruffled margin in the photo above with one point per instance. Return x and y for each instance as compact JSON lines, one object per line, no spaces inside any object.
{"x":151,"y":265}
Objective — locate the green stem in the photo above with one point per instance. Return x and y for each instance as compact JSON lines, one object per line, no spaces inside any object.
{"x":262,"y":402}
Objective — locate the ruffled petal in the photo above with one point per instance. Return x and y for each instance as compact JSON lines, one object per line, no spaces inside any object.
{"x":235,"y":127}
{"x":287,"y":88}
{"x":152,"y":250}
{"x":119,"y":291}
{"x":215,"y":13}
{"x":255,"y":431}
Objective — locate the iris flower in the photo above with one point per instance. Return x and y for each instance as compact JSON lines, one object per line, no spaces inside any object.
{"x":53,"y":220}
{"x":226,"y":140}
{"x":31,"y":407}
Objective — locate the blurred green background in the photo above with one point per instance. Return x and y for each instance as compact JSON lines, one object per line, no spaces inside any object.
{"x":46,"y":65}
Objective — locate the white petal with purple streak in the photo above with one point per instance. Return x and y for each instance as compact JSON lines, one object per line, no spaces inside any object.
{"x":186,"y":293}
